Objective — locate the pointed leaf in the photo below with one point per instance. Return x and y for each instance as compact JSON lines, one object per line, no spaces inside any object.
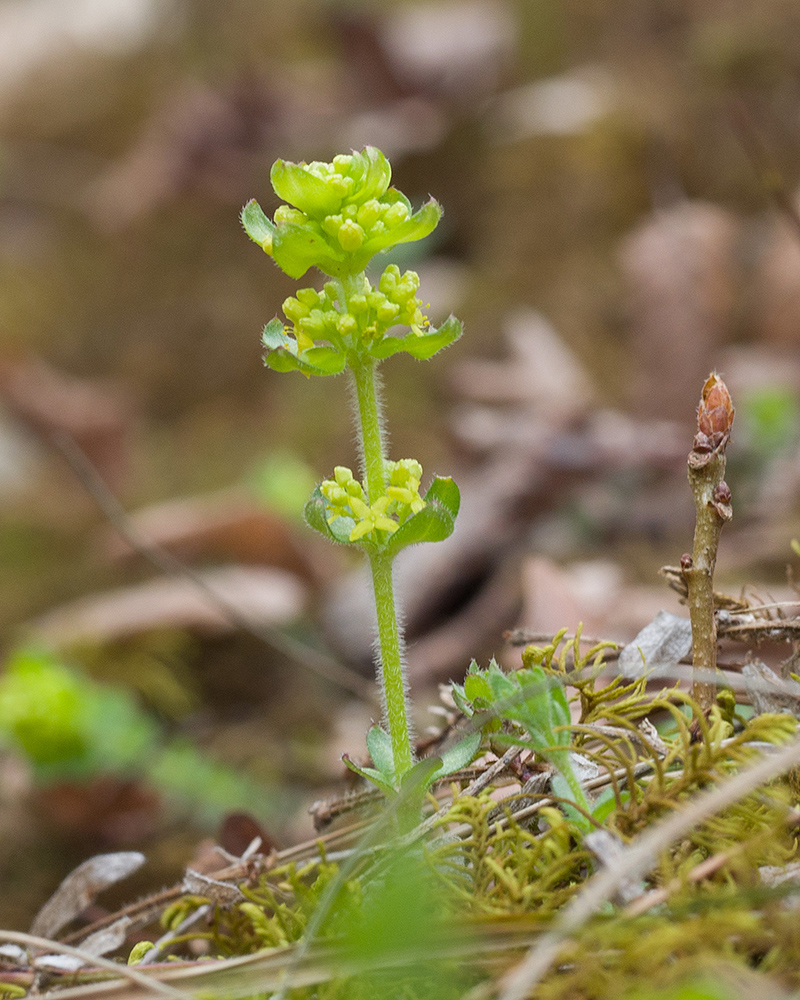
{"x":459,"y":755}
{"x":444,"y":490}
{"x":415,"y":782}
{"x":461,"y":700}
{"x":283,"y":354}
{"x":433,"y":523}
{"x":477,"y":686}
{"x":316,"y":513}
{"x":379,"y":744}
{"x":419,"y":345}
{"x":257,"y":226}
{"x":274,"y":335}
{"x":420,"y":225}
{"x":297,"y":248}
{"x":562,"y":789}
{"x":369,"y":774}
{"x":294,"y":183}
{"x":503,"y":688}
{"x":322,"y":360}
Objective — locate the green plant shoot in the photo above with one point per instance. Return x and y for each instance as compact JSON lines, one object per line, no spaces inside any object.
{"x":537,"y":705}
{"x":338,"y":216}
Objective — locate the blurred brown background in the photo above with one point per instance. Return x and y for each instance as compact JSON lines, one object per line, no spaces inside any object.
{"x":618,"y":181}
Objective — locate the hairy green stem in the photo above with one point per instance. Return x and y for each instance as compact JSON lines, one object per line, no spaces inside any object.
{"x":370,"y":429}
{"x":393,"y":686}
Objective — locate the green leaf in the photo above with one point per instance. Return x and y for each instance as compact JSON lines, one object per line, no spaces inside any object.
{"x":294,"y":183}
{"x":432,"y":524}
{"x":315,"y":513}
{"x":371,"y":173}
{"x":444,"y":491}
{"x":274,"y":335}
{"x":420,"y":225}
{"x":459,"y":755}
{"x":477,"y":686}
{"x":420,"y":346}
{"x":283,"y":354}
{"x":297,"y":248}
{"x":461,"y":700}
{"x":561,"y":788}
{"x":417,"y":780}
{"x":379,"y":744}
{"x":370,"y":775}
{"x":257,"y":226}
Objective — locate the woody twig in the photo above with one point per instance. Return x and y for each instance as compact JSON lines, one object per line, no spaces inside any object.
{"x":712,"y":499}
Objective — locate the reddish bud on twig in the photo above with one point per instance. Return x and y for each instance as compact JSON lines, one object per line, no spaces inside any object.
{"x":721,"y":501}
{"x":714,"y":420}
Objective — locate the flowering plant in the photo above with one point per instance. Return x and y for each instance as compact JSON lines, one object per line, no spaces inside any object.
{"x":338,"y":217}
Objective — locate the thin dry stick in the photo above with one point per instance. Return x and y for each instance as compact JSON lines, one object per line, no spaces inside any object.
{"x":712,"y":500}
{"x":95,"y":961}
{"x":636,"y":862}
{"x":321,"y":664}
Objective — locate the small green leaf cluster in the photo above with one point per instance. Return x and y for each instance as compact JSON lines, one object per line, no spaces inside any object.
{"x":537,"y":705}
{"x":414,"y":784}
{"x":69,"y":727}
{"x":338,"y":216}
{"x":339,"y":509}
{"x":65,"y":724}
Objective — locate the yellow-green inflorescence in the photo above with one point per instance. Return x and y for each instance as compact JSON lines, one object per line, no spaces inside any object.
{"x":366,"y":316}
{"x":347,"y":498}
{"x":338,"y":216}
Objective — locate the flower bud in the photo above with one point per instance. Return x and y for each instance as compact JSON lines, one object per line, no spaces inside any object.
{"x":387,"y":311}
{"x":346,"y":325}
{"x":369,"y":213}
{"x":313,"y":324}
{"x":286,"y":215}
{"x":332,"y":224}
{"x":715,"y":413}
{"x":342,"y":475}
{"x":395,"y":214}
{"x":294,"y":310}
{"x":355,"y":489}
{"x":350,"y":235}
{"x":389,"y":279}
{"x":343,"y":162}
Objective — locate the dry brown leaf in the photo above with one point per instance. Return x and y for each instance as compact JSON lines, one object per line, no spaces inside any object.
{"x":81,"y":887}
{"x":266,"y":597}
{"x":96,"y":414}
{"x":220,"y":526}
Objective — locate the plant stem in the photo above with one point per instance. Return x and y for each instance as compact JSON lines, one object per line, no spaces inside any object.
{"x":712,"y":501}
{"x":699,"y":576}
{"x":392,"y":683}
{"x":370,"y":431}
{"x":391,"y":646}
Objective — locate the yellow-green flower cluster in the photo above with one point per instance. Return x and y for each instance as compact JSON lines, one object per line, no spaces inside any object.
{"x":338,"y":215}
{"x":369,"y":313}
{"x":346,"y":498}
